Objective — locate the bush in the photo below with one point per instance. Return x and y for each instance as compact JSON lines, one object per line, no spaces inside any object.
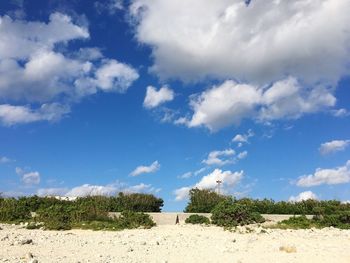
{"x":230,"y":214}
{"x":129,"y":220}
{"x":91,"y":208}
{"x":11,"y":210}
{"x":197,"y":219}
{"x":137,"y":203}
{"x":296,"y":222}
{"x":56,"y":217}
{"x":203,"y":201}
{"x":339,"y":220}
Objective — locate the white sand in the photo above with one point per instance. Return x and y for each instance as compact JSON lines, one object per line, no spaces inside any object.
{"x":184,"y":243}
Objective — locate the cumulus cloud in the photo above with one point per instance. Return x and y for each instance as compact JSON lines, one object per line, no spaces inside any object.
{"x":93,"y":190}
{"x":52,"y":191}
{"x":286,"y":57}
{"x":261,"y":42}
{"x":28,"y":178}
{"x":303,"y":196}
{"x":155,"y":98}
{"x":219,"y":158}
{"x":142,"y":169}
{"x":229,"y":180}
{"x":242,"y":155}
{"x":34,"y":71}
{"x":243,"y":138}
{"x":338,"y":175}
{"x":11,"y":115}
{"x":333,"y":146}
{"x":31,"y":178}
{"x":231,"y":102}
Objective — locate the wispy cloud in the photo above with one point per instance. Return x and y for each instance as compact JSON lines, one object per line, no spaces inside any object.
{"x":142,"y":169}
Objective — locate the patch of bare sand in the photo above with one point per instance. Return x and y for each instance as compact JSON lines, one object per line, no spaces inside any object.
{"x":181,"y":243}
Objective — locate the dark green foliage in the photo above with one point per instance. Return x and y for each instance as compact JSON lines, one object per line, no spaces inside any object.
{"x":231,"y":214}
{"x":197,"y":219}
{"x":11,"y":210}
{"x":339,"y":220}
{"x":203,"y":201}
{"x":57,"y":217}
{"x":138,"y":203}
{"x":91,"y":208}
{"x":129,"y":219}
{"x":296,"y":222}
{"x":88,"y":212}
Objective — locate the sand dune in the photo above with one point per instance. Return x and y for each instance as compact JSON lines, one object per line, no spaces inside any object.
{"x":176,"y":243}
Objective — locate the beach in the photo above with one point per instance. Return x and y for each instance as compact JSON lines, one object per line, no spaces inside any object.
{"x":175,"y":243}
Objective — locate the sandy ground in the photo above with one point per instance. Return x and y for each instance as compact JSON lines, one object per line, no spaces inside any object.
{"x":181,"y":243}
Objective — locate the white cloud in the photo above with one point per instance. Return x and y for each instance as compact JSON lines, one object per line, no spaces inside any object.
{"x":4,"y":159}
{"x":219,"y":158}
{"x":33,"y":70}
{"x":92,"y":190}
{"x":28,"y":178}
{"x":229,"y":180}
{"x":333,"y":146}
{"x":242,"y":155}
{"x":262,"y":42}
{"x":155,"y":98}
{"x":111,"y":6}
{"x":19,"y":171}
{"x":31,"y":178}
{"x":340,"y":112}
{"x":186,"y":175}
{"x":243,"y":138}
{"x":231,"y":102}
{"x":303,"y":196}
{"x":339,"y":175}
{"x":155,"y":166}
{"x":115,"y":76}
{"x":52,"y":191}
{"x":11,"y":115}
{"x":195,"y":173}
{"x":182,"y":193}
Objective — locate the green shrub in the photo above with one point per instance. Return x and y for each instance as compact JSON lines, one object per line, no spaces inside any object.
{"x":230,"y":214}
{"x":197,"y":219}
{"x":56,"y":217}
{"x":203,"y":201}
{"x":91,"y":208}
{"x":137,"y":203}
{"x":296,"y":222}
{"x":129,"y":220}
{"x":11,"y":210}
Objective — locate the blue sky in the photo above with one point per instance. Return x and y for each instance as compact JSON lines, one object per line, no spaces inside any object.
{"x":98,"y":97}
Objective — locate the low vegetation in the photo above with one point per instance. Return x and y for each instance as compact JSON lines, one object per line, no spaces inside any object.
{"x":197,"y":219}
{"x":230,"y":214}
{"x":88,"y":212}
{"x":203,"y":201}
{"x":338,"y":220}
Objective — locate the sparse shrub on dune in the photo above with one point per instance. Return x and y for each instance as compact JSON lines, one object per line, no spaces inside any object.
{"x":197,"y":219}
{"x":338,"y":220}
{"x":130,"y":219}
